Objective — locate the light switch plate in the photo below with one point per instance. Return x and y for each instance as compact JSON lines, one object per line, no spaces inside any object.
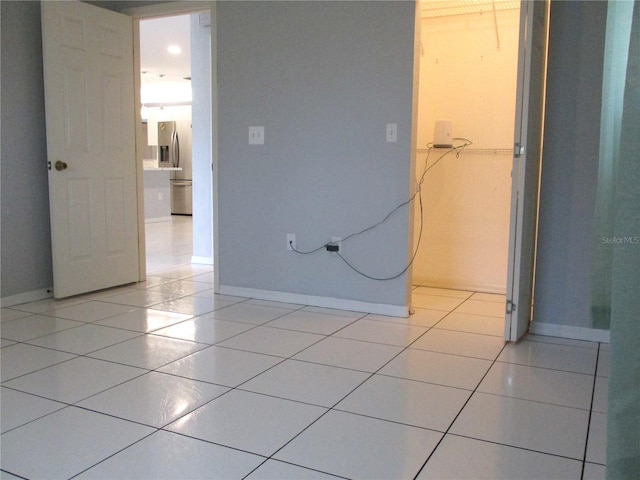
{"x":256,"y":135}
{"x":392,"y":132}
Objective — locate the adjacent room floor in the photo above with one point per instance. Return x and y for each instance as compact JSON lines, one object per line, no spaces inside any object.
{"x":165,"y":379}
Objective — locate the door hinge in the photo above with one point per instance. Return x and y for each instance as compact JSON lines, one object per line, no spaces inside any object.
{"x":511,"y":307}
{"x":518,"y":150}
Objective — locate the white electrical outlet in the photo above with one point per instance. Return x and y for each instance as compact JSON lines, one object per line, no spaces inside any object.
{"x":291,"y":241}
{"x":392,"y":132}
{"x":256,"y":135}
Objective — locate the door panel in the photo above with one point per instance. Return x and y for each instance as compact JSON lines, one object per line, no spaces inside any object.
{"x":525,"y":173}
{"x":89,"y":100}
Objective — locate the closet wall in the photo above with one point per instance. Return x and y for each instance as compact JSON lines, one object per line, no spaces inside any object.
{"x":468,"y":68}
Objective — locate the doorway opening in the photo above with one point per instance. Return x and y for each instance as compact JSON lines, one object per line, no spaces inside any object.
{"x":467,"y":95}
{"x":175,"y":86}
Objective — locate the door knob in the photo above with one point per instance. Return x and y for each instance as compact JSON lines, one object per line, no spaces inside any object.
{"x":60,"y":165}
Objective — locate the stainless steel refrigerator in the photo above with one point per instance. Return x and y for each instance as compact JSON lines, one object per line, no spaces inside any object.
{"x":174,"y":150}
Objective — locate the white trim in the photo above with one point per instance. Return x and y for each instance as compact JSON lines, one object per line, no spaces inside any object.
{"x":202,"y":260}
{"x":27,"y":297}
{"x":469,"y":287}
{"x":315,"y":301}
{"x":167,"y":9}
{"x":568,"y":331}
{"x":157,"y":219}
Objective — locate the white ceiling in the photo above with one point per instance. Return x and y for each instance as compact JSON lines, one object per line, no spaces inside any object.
{"x":156,"y":35}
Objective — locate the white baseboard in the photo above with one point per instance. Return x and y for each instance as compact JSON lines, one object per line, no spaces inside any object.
{"x":157,"y":219}
{"x":315,"y":301}
{"x":202,"y":260}
{"x":568,"y":331}
{"x":26,"y":297}
{"x":466,"y":286}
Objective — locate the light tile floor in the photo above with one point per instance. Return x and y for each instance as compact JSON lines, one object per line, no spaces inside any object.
{"x":167,"y":380}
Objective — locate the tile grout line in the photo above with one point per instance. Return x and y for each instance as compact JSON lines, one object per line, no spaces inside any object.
{"x":593,"y":392}
{"x":444,"y":435}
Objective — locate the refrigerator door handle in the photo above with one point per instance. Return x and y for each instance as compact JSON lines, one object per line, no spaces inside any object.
{"x":175,"y":149}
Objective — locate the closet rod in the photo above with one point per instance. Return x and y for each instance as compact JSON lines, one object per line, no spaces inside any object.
{"x":494,"y":151}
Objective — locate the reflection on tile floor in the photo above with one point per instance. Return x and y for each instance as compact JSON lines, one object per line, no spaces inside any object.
{"x":168,"y":380}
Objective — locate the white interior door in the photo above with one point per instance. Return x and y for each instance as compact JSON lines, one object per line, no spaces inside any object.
{"x":89,"y":100}
{"x":534,"y":21}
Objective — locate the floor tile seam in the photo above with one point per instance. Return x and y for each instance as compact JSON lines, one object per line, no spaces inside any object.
{"x":193,"y":379}
{"x":424,"y":382}
{"x":455,"y":418}
{"x":27,"y":340}
{"x":75,"y":403}
{"x":326,"y":335}
{"x":395,"y":322}
{"x":290,"y":329}
{"x":294,"y":465}
{"x":66,"y":404}
{"x":560,"y":345}
{"x":50,"y":314}
{"x":14,"y":307}
{"x":329,"y":365}
{"x":26,"y":317}
{"x":210,"y":442}
{"x":248,"y":300}
{"x":266,"y":325}
{"x":75,"y":355}
{"x":336,"y":403}
{"x":477,"y":314}
{"x":149,"y":369}
{"x":453,"y":354}
{"x":586,"y":347}
{"x":219,"y":345}
{"x":63,"y":405}
{"x":285,"y":357}
{"x":370,"y":341}
{"x":114,"y":454}
{"x":538,"y":402}
{"x":411,"y":347}
{"x":240,"y":388}
{"x":486,"y":301}
{"x":395,"y":422}
{"x":113,"y":415}
{"x":467,"y":331}
{"x":209,"y":344}
{"x":471,"y":292}
{"x":517,"y":447}
{"x":593,"y":392}
{"x":546,"y":368}
{"x":150,"y":305}
{"x":163,"y":426}
{"x":538,"y":367}
{"x":197,"y":342}
{"x":86,"y":354}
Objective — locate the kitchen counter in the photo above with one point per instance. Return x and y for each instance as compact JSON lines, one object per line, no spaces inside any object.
{"x":152,"y":165}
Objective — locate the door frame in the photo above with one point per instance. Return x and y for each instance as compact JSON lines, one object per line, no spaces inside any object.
{"x":513,"y":323}
{"x":158,"y":10}
{"x":527,"y":167}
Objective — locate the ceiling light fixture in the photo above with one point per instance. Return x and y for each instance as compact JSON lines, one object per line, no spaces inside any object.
{"x":174,"y":50}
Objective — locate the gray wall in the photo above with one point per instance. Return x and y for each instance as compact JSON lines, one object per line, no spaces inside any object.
{"x":26,"y":242}
{"x":570,"y":163}
{"x":324,"y":79}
